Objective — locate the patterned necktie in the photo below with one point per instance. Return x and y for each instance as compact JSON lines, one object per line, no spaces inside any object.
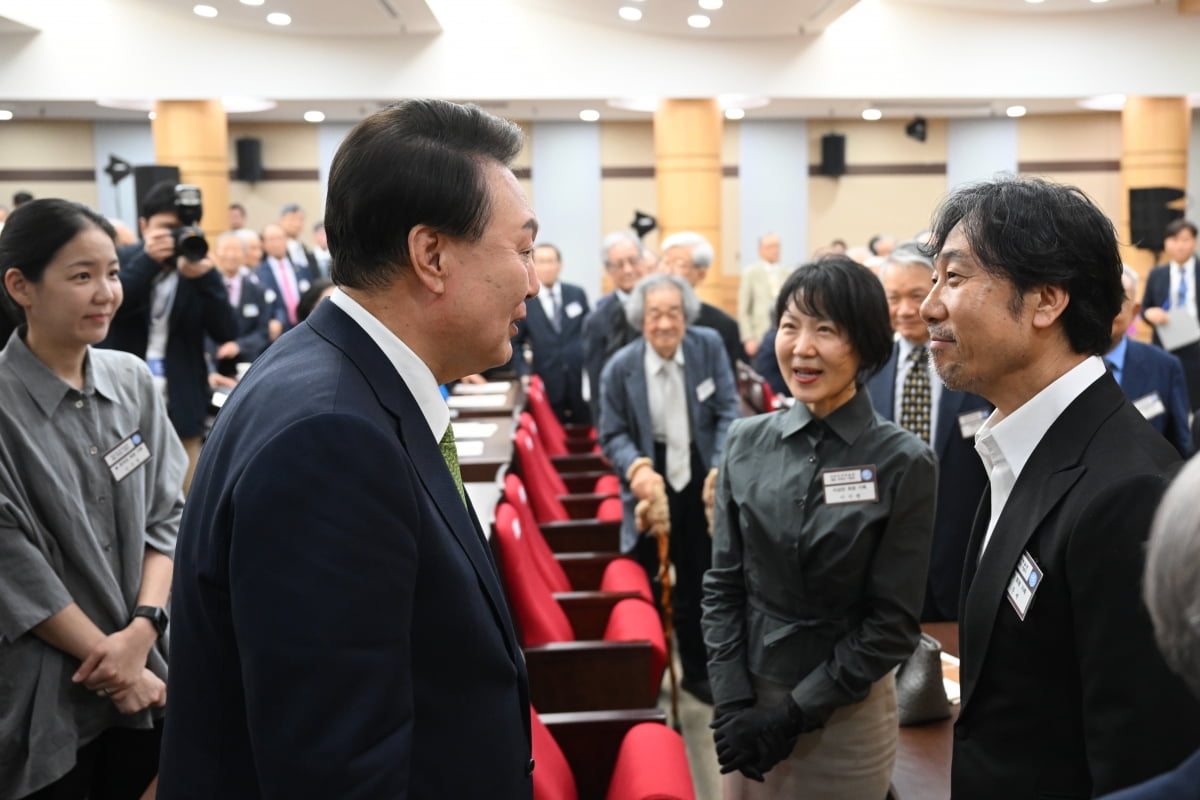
{"x":450,"y":456}
{"x":679,"y":446}
{"x":914,"y":403}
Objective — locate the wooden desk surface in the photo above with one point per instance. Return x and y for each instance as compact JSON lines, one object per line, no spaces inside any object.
{"x":497,"y":447}
{"x":465,"y":401}
{"x":923,"y":757}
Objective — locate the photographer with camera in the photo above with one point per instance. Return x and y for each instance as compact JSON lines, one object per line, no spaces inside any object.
{"x":173,"y":297}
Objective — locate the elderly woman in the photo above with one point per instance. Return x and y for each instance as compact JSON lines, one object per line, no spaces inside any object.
{"x":821,"y":535}
{"x":90,"y":501}
{"x":666,"y":401}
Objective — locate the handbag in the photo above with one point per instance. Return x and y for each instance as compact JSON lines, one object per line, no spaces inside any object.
{"x":920,"y":693}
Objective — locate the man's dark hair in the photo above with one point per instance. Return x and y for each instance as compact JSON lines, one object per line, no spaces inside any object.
{"x":1176,"y":226}
{"x":1033,"y":233}
{"x":557,"y":252}
{"x":21,"y":198}
{"x":237,"y":206}
{"x":846,"y":293}
{"x":415,"y":162}
{"x":160,"y":199}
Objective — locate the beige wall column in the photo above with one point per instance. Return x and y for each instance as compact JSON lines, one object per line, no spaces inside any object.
{"x":194,"y":135}
{"x":687,"y":168}
{"x":1154,"y":147}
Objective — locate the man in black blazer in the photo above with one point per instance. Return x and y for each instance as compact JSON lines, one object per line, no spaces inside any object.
{"x":953,"y":417}
{"x":553,"y":327}
{"x":1171,"y":289}
{"x":689,"y":255}
{"x":250,"y":306}
{"x":1150,"y":377}
{"x":1064,"y":693}
{"x":170,"y":305}
{"x":338,"y":629}
{"x":607,"y":329}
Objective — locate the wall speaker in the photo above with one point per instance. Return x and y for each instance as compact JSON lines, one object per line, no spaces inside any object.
{"x":1149,"y":215}
{"x":145,"y":177}
{"x":249,"y":159}
{"x":833,"y":154}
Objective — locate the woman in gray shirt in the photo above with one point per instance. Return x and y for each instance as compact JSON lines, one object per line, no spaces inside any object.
{"x":821,"y":534}
{"x":90,"y":502}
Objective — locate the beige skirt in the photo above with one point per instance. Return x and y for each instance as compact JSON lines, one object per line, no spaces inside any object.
{"x":851,"y":758}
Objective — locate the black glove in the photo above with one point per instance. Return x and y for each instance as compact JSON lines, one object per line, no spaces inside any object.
{"x":756,"y":739}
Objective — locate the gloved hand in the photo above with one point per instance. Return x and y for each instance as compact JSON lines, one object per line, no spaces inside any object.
{"x":754,"y":740}
{"x":723,"y":713}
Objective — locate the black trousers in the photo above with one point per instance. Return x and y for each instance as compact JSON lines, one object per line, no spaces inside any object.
{"x":117,"y":765}
{"x":691,"y":553}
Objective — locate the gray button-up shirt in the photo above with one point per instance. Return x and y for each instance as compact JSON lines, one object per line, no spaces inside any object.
{"x":821,"y":597}
{"x":70,"y":532}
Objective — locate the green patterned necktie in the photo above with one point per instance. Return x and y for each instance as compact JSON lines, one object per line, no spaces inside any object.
{"x":450,"y":456}
{"x":916,"y":396}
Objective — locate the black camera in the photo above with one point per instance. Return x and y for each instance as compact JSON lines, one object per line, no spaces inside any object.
{"x":189,"y":239}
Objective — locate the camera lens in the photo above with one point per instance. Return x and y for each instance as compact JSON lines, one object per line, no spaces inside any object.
{"x":191,"y":244}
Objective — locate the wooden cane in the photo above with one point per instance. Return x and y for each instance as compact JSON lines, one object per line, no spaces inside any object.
{"x":662,"y":533}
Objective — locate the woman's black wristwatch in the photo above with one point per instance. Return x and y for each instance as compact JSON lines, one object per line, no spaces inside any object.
{"x":156,"y":614}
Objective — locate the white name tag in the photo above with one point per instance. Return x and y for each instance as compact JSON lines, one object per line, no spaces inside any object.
{"x":1024,"y":583}
{"x":303,"y":285}
{"x":971,"y":422}
{"x":269,"y":295}
{"x":1151,"y":405}
{"x":250,"y":311}
{"x":705,"y":389}
{"x":850,"y":485}
{"x":127,"y":456}
{"x":573,"y":310}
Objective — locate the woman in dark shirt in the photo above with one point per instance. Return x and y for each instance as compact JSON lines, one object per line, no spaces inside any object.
{"x":821,"y":533}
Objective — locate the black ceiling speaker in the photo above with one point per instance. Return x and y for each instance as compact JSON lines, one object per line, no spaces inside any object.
{"x":833,"y":154}
{"x":249,"y":159}
{"x":1149,"y":215}
{"x":917,"y":129}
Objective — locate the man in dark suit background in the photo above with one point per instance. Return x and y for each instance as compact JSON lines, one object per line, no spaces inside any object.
{"x":250,"y":307}
{"x":607,"y":330}
{"x":1171,"y":289}
{"x":1063,"y":691}
{"x":338,"y":629}
{"x":908,"y":391}
{"x":689,"y":255}
{"x":1150,"y":377}
{"x":553,"y":327}
{"x":282,"y":278}
{"x":171,"y":304}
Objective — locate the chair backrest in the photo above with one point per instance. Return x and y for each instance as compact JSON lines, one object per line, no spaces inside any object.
{"x":543,"y":556}
{"x":552,"y":778}
{"x":549,"y":429}
{"x":770,"y":399}
{"x":542,"y":480}
{"x":538,"y":614}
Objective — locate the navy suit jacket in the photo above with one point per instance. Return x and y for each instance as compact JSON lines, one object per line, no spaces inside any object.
{"x":626,"y":431}
{"x":1158,"y":290}
{"x":200,"y":308}
{"x":266,"y":276}
{"x":557,"y":355}
{"x":351,"y":642}
{"x":1074,"y":700}
{"x":253,"y":314}
{"x":606,"y":331}
{"x":1150,"y":369}
{"x":961,"y":481}
{"x":1182,"y":783}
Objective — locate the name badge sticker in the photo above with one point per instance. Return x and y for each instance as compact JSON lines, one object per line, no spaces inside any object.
{"x":269,"y":295}
{"x":129,"y":454}
{"x":250,"y":311}
{"x":970,"y":422}
{"x":303,"y":285}
{"x":705,"y":389}
{"x":1023,"y":585}
{"x":850,"y":485}
{"x":573,"y":310}
{"x":1150,"y":406}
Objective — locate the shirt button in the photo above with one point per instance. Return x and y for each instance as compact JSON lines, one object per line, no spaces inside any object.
{"x":79,"y":404}
{"x":93,"y":450}
{"x":812,"y":459}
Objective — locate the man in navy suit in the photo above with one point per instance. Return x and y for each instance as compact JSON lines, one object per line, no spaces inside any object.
{"x":338,"y":629}
{"x":667,"y":400}
{"x":949,"y":425}
{"x":1171,"y":289}
{"x":1151,"y":378}
{"x":281,"y":277}
{"x":250,"y":306}
{"x":1063,"y":691}
{"x":553,"y":327}
{"x":607,"y":329}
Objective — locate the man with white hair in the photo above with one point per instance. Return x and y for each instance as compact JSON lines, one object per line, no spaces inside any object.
{"x":689,"y":255}
{"x":606,"y":330}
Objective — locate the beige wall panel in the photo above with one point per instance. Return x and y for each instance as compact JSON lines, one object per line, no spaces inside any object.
{"x":1069,"y":137}
{"x":80,"y":191}
{"x":285,"y":145}
{"x":627,"y":144}
{"x":1103,"y":187}
{"x":619,"y":198}
{"x":882,"y":142}
{"x":855,"y":208}
{"x":731,"y":142}
{"x":45,"y":145}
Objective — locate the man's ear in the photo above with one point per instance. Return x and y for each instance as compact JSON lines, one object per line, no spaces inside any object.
{"x":426,"y":249}
{"x":1050,"y":303}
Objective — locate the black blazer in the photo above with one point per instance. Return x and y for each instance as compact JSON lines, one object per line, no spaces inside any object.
{"x":961,"y":481}
{"x":1075,"y":700}
{"x":253,"y":314}
{"x":727,"y":327}
{"x":557,"y":355}
{"x":1158,"y":290}
{"x":604,"y":333}
{"x":351,"y":642}
{"x":201,"y":308}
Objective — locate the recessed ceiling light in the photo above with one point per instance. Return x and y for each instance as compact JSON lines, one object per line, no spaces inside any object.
{"x":711,"y":5}
{"x":699,"y":21}
{"x":5,"y":115}
{"x":253,"y":2}
{"x":735,"y":113}
{"x":589,"y":115}
{"x":204,"y":11}
{"x":279,"y":18}
{"x":151,"y":115}
{"x":630,"y":13}
{"x":1034,"y":2}
{"x":872,"y":114}
{"x":1015,"y":111}
{"x":1097,"y":2}
{"x":314,"y":116}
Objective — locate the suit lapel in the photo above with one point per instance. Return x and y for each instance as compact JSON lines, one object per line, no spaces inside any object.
{"x":635,"y":379}
{"x":883,"y":386}
{"x":949,"y":405}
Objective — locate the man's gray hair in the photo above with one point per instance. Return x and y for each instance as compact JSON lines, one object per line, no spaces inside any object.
{"x":1172,"y":578}
{"x":635,"y":307}
{"x":246,"y":235}
{"x":235,"y":236}
{"x":702,"y":251}
{"x":290,"y":208}
{"x":614,"y":239}
{"x":909,"y":253}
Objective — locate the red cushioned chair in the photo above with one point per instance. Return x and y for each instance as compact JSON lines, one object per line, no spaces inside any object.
{"x":549,"y":494}
{"x":560,"y":439}
{"x":583,"y":650}
{"x":603,"y":571}
{"x":608,"y":756}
